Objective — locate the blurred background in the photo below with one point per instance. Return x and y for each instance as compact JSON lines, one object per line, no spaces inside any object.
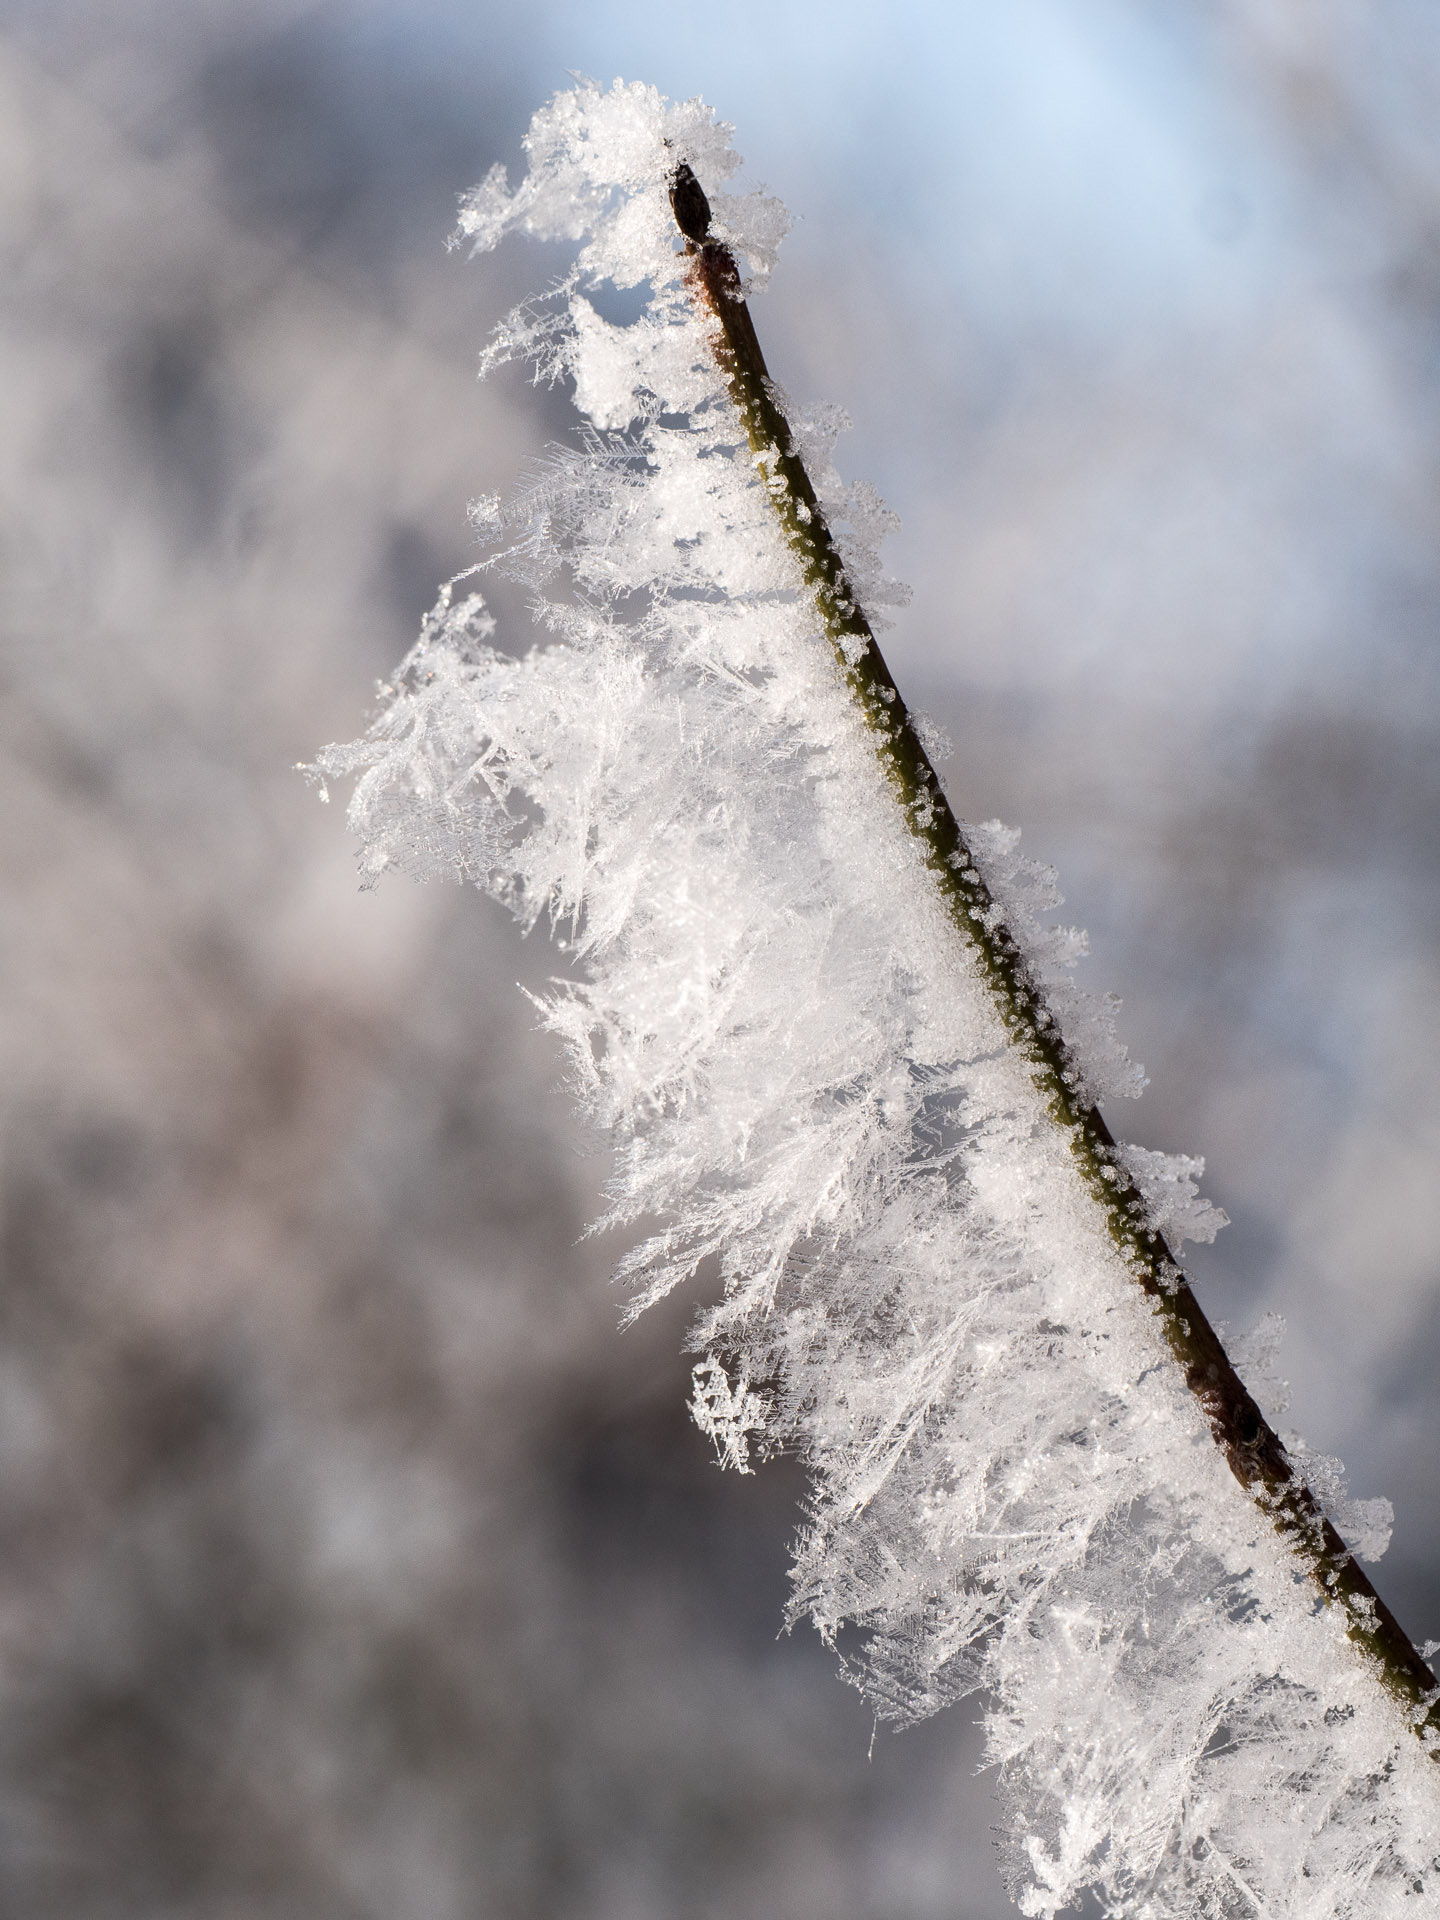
{"x":352,"y":1565}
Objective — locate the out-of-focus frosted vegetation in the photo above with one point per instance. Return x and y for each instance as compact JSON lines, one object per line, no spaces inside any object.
{"x":353,"y":1565}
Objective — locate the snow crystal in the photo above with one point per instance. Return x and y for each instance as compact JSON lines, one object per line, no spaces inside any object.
{"x":807,"y":1080}
{"x":1365,"y":1525}
{"x":935,"y":741}
{"x":1169,"y":1184}
{"x":1255,"y":1357}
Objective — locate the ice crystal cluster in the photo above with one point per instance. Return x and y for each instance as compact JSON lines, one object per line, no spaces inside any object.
{"x":809,"y":1088}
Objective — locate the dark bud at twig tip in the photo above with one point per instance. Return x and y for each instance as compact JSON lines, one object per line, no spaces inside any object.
{"x":692,"y":209}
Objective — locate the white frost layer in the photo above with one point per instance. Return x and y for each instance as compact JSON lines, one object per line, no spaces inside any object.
{"x":807,"y":1081}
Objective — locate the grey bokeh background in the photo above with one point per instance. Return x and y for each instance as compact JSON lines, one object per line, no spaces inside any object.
{"x":353,"y":1564}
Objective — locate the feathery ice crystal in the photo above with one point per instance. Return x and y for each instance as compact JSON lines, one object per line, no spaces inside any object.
{"x":807,"y":1080}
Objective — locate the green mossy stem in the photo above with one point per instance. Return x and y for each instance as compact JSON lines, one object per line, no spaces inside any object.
{"x":1256,"y":1456}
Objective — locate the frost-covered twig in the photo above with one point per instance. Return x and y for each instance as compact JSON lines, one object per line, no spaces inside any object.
{"x":837,"y":1046}
{"x":1253,"y":1449}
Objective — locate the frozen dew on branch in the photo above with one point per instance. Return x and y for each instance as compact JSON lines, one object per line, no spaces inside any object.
{"x":807,"y":1079}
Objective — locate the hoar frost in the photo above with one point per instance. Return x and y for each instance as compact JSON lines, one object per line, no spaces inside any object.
{"x":807,"y":1081}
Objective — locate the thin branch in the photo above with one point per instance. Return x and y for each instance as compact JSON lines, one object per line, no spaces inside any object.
{"x":1256,"y":1456}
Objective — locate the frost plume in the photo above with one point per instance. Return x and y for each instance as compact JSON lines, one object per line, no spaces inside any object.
{"x":1169,"y":1183}
{"x":599,"y":164}
{"x":807,"y":1082}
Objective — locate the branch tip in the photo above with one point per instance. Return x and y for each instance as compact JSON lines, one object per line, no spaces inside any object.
{"x":688,"y":202}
